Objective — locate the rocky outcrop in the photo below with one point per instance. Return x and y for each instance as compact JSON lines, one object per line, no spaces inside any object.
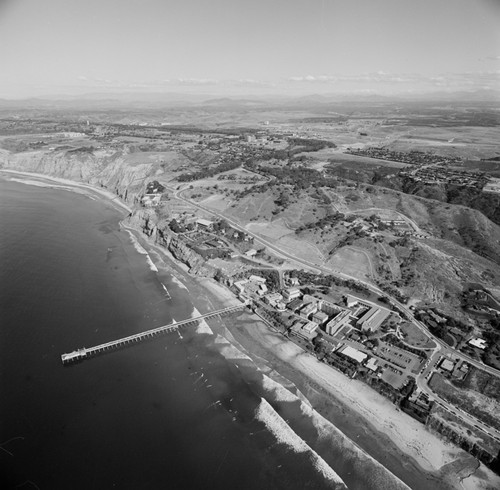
{"x":109,"y":169}
{"x":146,"y":221}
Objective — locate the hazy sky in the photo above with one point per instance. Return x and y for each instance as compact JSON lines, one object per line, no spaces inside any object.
{"x":266,"y":46}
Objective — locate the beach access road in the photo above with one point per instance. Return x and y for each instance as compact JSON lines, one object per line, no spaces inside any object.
{"x":320,"y":268}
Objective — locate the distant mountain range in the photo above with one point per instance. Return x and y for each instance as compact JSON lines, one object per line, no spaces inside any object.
{"x":137,"y":100}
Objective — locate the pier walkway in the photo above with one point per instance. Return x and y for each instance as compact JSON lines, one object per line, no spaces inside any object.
{"x":87,"y":352}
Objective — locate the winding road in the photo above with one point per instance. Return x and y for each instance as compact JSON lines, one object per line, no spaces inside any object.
{"x":442,"y":349}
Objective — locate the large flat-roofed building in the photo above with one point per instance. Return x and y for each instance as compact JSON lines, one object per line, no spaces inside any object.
{"x":372,"y":319}
{"x":352,"y":353}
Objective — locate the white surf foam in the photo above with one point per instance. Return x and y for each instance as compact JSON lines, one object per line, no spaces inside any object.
{"x":281,"y":394}
{"x":138,"y":247}
{"x":202,"y":326}
{"x":266,"y":414}
{"x":151,"y":264}
{"x":166,"y":291}
{"x":229,"y":351}
{"x":179,"y":283}
{"x":327,"y":430}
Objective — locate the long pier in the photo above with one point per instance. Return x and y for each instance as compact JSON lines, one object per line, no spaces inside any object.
{"x":87,"y":352}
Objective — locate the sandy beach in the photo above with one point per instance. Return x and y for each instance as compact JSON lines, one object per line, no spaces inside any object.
{"x":326,"y":389}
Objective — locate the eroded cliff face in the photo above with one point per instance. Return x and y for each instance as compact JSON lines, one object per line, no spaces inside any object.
{"x":111,"y":170}
{"x":435,"y":424}
{"x":146,"y":221}
{"x":102,"y":168}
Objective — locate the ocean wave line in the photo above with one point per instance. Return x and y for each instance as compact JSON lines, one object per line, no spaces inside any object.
{"x":266,"y":414}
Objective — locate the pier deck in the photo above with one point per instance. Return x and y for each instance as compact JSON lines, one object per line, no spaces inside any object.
{"x":87,"y":352}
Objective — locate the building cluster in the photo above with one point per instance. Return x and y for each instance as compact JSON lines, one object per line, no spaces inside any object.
{"x":413,"y":157}
{"x":443,"y":175}
{"x":453,"y":368}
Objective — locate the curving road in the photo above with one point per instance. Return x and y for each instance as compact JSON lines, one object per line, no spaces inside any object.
{"x":441,"y":349}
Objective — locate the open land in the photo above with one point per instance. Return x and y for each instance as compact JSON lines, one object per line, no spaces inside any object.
{"x":375,"y":204}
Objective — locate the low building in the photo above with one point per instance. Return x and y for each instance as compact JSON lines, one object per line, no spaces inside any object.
{"x":204,"y":224}
{"x":352,"y":353}
{"x":273,"y":299}
{"x":372,"y":364}
{"x":291,"y":294}
{"x":307,"y":331}
{"x":351,"y":301}
{"x":255,"y":278}
{"x":295,"y":304}
{"x":251,"y":253}
{"x":479,"y":343}
{"x":320,"y":317}
{"x":460,"y":371}
{"x":447,"y":365}
{"x":308,"y":310}
{"x":240,"y":285}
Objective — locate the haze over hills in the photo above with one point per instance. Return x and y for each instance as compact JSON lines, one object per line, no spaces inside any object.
{"x":144,"y":99}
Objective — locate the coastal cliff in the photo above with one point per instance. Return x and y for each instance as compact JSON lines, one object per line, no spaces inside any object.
{"x":437,"y":425}
{"x":107,"y":169}
{"x":146,"y":221}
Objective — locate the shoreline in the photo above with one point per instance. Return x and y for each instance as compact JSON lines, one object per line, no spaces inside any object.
{"x":380,"y":416}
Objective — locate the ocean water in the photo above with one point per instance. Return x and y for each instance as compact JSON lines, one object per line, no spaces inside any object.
{"x":184,"y":411}
{"x":171,"y":413}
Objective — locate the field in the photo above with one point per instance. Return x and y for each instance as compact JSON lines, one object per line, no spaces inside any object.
{"x":465,"y":430}
{"x":353,"y":262}
{"x":483,"y":382}
{"x":415,"y":337}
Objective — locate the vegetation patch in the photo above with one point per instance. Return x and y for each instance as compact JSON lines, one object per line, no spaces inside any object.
{"x":480,"y":406}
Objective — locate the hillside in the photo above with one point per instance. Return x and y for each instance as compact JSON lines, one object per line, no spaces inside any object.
{"x":420,"y":249}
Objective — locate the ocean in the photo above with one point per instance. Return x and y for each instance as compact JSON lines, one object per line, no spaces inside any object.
{"x":186,"y":410}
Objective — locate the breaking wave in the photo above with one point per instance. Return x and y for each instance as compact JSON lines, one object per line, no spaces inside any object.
{"x":178,"y":283}
{"x":151,"y":264}
{"x":266,"y":414}
{"x":229,"y":351}
{"x":281,"y":394}
{"x":202,"y":326}
{"x":140,"y":249}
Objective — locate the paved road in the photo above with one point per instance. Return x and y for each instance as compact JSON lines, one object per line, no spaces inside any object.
{"x":328,"y":270}
{"x":442,"y":349}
